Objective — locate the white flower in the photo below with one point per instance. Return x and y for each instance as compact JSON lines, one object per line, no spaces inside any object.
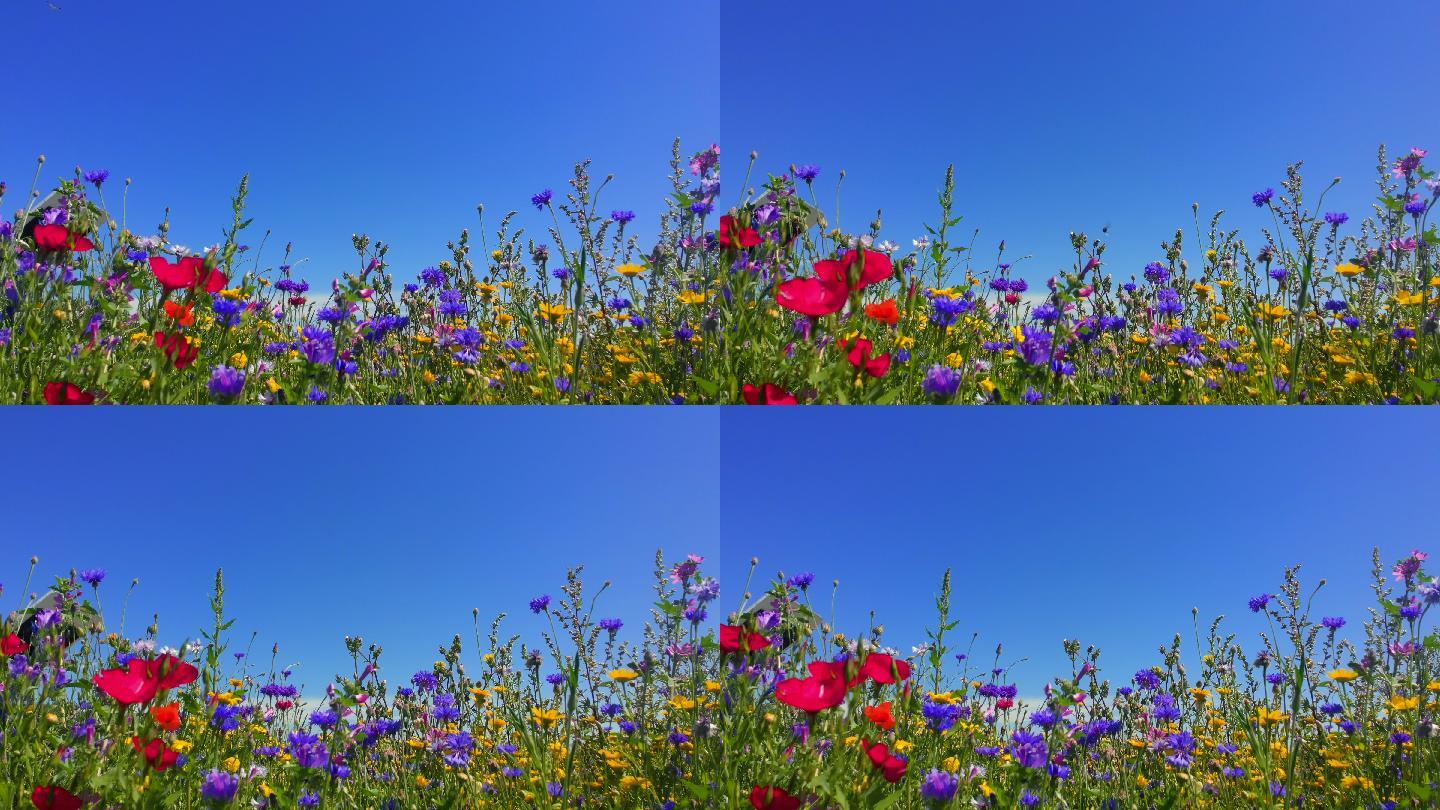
{"x":179,"y":250}
{"x":887,"y":247}
{"x":921,"y":243}
{"x":194,"y":647}
{"x":920,"y":650}
{"x":144,"y":645}
{"x":865,"y":240}
{"x":169,"y":651}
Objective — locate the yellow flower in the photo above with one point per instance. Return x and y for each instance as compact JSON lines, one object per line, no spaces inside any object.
{"x":1349,"y":269}
{"x":545,"y":717}
{"x":1405,"y":298}
{"x":623,"y":675}
{"x":181,"y":746}
{"x":231,"y":764}
{"x":1401,"y":704}
{"x":691,"y":297}
{"x":553,"y":312}
{"x":682,"y":702}
{"x":630,"y":270}
{"x":1343,"y":675}
{"x":239,"y":360}
{"x":1267,"y":717}
{"x":421,"y":782}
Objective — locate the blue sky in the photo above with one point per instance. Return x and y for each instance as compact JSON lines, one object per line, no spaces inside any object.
{"x":392,"y":119}
{"x":391,"y":524}
{"x":1069,"y":117}
{"x":1104,"y":525}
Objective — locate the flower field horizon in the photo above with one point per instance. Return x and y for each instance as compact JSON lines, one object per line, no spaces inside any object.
{"x":769,"y":707}
{"x":758,"y":301}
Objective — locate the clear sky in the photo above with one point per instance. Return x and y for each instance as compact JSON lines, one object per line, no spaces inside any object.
{"x":1065,"y":117}
{"x":389,"y":523}
{"x":392,"y":119}
{"x":1100,"y":524}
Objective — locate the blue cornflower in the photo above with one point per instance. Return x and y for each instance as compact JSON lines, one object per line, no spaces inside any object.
{"x":622,"y":217}
{"x":807,"y":172}
{"x":1262,"y":198}
{"x":540,"y":604}
{"x":542,"y":199}
{"x":94,"y":576}
{"x":227,"y":312}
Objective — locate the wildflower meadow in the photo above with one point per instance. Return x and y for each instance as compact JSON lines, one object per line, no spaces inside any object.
{"x":752,"y":299}
{"x":107,"y":716}
{"x":770,"y":707}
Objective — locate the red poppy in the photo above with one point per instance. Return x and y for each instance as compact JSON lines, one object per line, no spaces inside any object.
{"x":64,"y":393}
{"x":769,"y":797}
{"x":181,"y":351}
{"x":769,"y":394}
{"x":144,"y":678}
{"x":58,"y":237}
{"x":188,"y":274}
{"x":730,"y":236}
{"x":875,"y":267}
{"x":883,"y":668}
{"x":735,"y":639}
{"x":183,"y":314}
{"x":824,"y":689}
{"x":157,"y":753}
{"x":812,"y":296}
{"x":881,"y":715}
{"x":50,"y":797}
{"x":891,"y":766}
{"x":13,"y":645}
{"x":861,"y":359}
{"x":885,"y":312}
{"x":167,"y":716}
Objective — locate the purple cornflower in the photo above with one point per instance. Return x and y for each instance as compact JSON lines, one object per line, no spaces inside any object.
{"x":807,"y":172}
{"x":622,"y":217}
{"x":801,"y":581}
{"x":941,"y":381}
{"x":1029,"y":749}
{"x":1258,"y":603}
{"x":1337,"y":218}
{"x":540,"y":604}
{"x":542,"y":199}
{"x":220,"y":786}
{"x":94,"y":576}
{"x":97,"y":177}
{"x":611,"y":625}
{"x":226,"y":382}
{"x":1333,"y":622}
{"x":939,"y":786}
{"x":1262,"y":198}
